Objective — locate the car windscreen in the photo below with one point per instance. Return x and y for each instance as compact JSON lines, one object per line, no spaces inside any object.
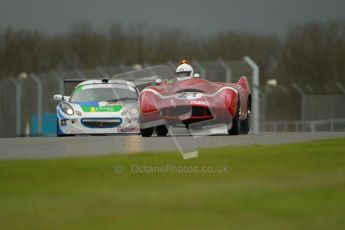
{"x":104,"y":92}
{"x":143,"y":78}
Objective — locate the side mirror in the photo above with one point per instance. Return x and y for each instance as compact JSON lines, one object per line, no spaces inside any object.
{"x":158,"y":81}
{"x":196,"y":75}
{"x":58,"y":97}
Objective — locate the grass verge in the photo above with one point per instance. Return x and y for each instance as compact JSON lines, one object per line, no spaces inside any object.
{"x":289,"y":186}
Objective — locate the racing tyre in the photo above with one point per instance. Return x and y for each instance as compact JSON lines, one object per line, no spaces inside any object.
{"x":161,"y":130}
{"x":58,"y":133}
{"x":245,"y":125}
{"x":236,"y":123}
{"x":147,"y":132}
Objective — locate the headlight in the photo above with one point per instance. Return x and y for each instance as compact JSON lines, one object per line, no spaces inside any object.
{"x":134,"y":111}
{"x":131,"y":111}
{"x":67,"y":108}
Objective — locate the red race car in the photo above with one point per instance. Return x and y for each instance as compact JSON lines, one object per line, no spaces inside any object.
{"x":195,"y":103}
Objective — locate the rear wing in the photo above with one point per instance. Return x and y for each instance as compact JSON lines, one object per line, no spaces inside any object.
{"x":69,"y":84}
{"x":73,"y":80}
{"x":147,"y":77}
{"x":142,"y":83}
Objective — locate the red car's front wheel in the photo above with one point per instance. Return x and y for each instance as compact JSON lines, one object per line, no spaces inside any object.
{"x":147,"y":132}
{"x":162,"y":130}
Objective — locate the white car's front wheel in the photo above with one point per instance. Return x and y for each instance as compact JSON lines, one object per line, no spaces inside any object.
{"x":58,"y":130}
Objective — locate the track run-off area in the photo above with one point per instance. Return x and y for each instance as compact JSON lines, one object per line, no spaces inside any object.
{"x":54,"y":147}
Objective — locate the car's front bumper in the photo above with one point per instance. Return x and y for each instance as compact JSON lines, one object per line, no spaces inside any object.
{"x":96,"y":126}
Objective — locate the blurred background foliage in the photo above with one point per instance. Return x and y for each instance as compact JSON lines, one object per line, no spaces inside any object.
{"x":307,"y":53}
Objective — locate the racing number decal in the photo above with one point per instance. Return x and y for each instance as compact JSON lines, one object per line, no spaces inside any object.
{"x":182,"y":96}
{"x":192,"y":96}
{"x":187,"y":95}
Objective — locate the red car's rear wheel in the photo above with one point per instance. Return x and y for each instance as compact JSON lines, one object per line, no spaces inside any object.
{"x":245,"y":124}
{"x":236,"y":123}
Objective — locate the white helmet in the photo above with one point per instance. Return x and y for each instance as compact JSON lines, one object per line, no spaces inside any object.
{"x":184,"y":70}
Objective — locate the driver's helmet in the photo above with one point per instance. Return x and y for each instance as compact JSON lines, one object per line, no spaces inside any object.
{"x":184,"y":70}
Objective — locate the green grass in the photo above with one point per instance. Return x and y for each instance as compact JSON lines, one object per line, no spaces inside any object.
{"x":294,"y":186}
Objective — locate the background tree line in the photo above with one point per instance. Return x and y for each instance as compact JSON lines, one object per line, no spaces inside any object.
{"x":308,"y":53}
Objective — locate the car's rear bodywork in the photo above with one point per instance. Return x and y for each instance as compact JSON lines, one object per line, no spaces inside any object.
{"x":195,"y":102}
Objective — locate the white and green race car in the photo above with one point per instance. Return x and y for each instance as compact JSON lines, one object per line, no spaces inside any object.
{"x":99,"y":107}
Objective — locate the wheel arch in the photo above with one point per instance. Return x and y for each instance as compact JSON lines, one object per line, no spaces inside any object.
{"x":249,"y":103}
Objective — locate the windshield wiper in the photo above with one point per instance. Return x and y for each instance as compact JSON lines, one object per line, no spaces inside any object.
{"x":123,"y":99}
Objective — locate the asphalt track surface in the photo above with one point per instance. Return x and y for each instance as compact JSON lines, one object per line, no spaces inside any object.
{"x":53,"y":147}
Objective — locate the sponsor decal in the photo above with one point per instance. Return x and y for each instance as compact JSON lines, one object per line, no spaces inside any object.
{"x":97,"y":86}
{"x":199,"y":102}
{"x":107,"y":108}
{"x":63,"y":122}
{"x":103,"y":103}
{"x":128,"y":129}
{"x":107,"y":86}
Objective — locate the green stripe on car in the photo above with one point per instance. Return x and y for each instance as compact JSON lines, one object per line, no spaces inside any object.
{"x":113,"y":108}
